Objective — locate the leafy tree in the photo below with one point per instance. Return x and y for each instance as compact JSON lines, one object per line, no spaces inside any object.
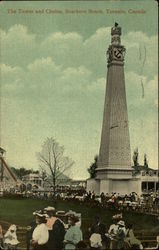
{"x":145,"y":162}
{"x":20,"y":172}
{"x":135,"y":157}
{"x":92,"y":169}
{"x":136,"y":163}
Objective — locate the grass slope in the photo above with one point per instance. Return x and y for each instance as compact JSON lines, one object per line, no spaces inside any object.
{"x":19,"y":212}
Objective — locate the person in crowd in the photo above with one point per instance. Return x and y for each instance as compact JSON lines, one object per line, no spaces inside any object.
{"x":101,"y":228}
{"x":73,"y":235}
{"x":40,"y":234}
{"x":95,"y":240}
{"x":30,"y":230}
{"x":81,"y":245}
{"x":157,"y":247}
{"x":121,"y":234}
{"x":93,"y":195}
{"x":131,"y":239}
{"x":56,"y":230}
{"x":89,"y":195}
{"x":112,"y":233}
{"x":10,"y":238}
{"x":1,"y":238}
{"x":102,"y":196}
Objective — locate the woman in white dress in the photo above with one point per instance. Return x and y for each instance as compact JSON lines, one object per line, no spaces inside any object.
{"x":40,"y":234}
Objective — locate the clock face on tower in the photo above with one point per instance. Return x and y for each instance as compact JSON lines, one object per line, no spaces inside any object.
{"x":118,"y":53}
{"x":115,"y":53}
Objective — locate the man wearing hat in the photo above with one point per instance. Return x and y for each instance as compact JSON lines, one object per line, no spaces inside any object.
{"x":121,"y":234}
{"x":56,"y":230}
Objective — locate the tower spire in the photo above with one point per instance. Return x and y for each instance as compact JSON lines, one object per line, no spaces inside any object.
{"x":116,"y":52}
{"x":116,"y":33}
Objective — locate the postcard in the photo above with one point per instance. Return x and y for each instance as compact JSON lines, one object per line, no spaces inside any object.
{"x":79,"y":125}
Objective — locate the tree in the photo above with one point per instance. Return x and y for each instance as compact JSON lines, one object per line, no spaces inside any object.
{"x":92,"y":169}
{"x":135,"y":157}
{"x":53,"y":161}
{"x":20,"y":172}
{"x":145,"y":162}
{"x":136,"y":163}
{"x":43,"y":175}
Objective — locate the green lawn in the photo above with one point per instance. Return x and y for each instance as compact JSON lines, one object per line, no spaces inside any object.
{"x":19,"y":211}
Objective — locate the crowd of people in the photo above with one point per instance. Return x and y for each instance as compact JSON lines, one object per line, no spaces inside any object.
{"x":49,"y":232}
{"x":146,"y":202}
{"x":140,"y":203}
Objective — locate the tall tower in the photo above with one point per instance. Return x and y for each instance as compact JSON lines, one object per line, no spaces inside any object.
{"x":114,"y":156}
{"x":114,"y":172}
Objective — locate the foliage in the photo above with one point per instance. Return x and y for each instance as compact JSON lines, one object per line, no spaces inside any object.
{"x":136,"y":163}
{"x":135,"y":157}
{"x":137,"y":167}
{"x":43,"y":175}
{"x":145,"y":162}
{"x":20,"y":172}
{"x":93,"y":167}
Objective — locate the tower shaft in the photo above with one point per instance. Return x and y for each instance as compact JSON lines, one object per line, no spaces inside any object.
{"x":115,"y":142}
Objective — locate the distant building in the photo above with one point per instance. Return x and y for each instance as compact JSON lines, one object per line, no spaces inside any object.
{"x":31,"y":182}
{"x":79,"y":183}
{"x":149,"y":181}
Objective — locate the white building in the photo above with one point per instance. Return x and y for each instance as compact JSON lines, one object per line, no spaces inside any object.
{"x":31,"y":182}
{"x":149,"y":181}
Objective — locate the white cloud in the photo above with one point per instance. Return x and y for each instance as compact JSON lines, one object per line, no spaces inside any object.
{"x":17,"y":35}
{"x":141,"y":53}
{"x":75,"y":73}
{"x":98,"y":85}
{"x":11,"y":79}
{"x":42,"y":64}
{"x":62,"y":39}
{"x":101,"y":34}
{"x":18,"y":45}
{"x":71,"y":50}
{"x":141,"y":92}
{"x":7,"y":69}
{"x":64,"y":48}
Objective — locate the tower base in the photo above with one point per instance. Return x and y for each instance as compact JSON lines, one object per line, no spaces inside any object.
{"x":119,"y":186}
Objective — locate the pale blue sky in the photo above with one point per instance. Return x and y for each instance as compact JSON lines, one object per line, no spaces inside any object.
{"x":53,"y":71}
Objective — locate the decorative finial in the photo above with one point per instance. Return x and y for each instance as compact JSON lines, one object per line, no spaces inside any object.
{"x":116,"y":29}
